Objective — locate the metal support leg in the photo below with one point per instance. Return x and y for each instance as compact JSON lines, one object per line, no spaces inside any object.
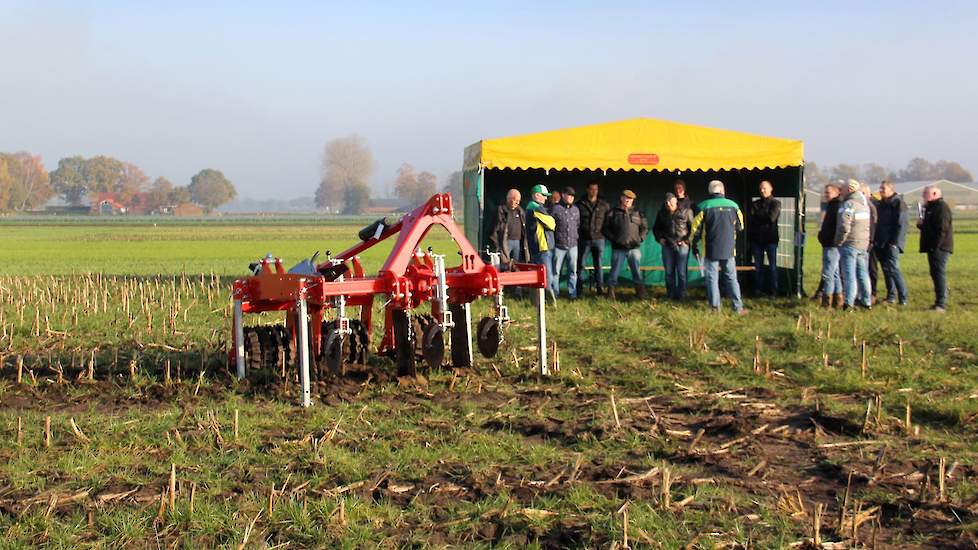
{"x":239,"y":358}
{"x":468,"y":330}
{"x":542,"y":330}
{"x":304,"y":352}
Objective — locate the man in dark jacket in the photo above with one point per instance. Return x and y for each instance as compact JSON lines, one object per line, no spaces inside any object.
{"x":508,"y":235}
{"x":593,"y":212}
{"x":717,"y":223}
{"x":671,"y":229}
{"x":937,"y":241}
{"x":626,"y":228}
{"x":568,"y":220}
{"x":762,"y":232}
{"x":889,"y":240}
{"x":831,"y":277}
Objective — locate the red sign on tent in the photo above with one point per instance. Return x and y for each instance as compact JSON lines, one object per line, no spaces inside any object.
{"x":643,"y":158}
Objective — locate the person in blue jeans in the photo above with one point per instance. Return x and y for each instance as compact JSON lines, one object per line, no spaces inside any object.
{"x":718,"y":221}
{"x":762,"y":232}
{"x":593,"y":212}
{"x":671,"y":229}
{"x":831,"y":281}
{"x":626,"y":229}
{"x":566,"y":233}
{"x":937,"y":241}
{"x":891,"y":237}
{"x":852,"y":236}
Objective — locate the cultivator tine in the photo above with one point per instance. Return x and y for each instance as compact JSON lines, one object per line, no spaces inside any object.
{"x":542,"y":330}
{"x":303,"y":351}
{"x":239,"y":353}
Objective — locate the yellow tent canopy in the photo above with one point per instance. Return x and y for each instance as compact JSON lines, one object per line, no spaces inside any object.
{"x":637,"y":144}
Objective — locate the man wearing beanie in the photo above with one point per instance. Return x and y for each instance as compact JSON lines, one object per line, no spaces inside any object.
{"x":568,"y":220}
{"x":852,"y":238}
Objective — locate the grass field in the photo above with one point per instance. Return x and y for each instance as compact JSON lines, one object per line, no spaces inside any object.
{"x":658,"y":426}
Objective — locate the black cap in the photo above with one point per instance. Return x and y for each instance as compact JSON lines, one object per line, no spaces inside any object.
{"x":569,"y":191}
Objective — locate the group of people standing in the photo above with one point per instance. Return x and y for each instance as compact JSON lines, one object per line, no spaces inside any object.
{"x":859,"y":230}
{"x":557,"y":230}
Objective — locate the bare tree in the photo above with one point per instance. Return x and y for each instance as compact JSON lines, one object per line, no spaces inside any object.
{"x":454,"y":186}
{"x":347,"y":164}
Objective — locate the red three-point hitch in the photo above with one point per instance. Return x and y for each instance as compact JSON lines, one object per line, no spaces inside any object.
{"x":319,"y":335}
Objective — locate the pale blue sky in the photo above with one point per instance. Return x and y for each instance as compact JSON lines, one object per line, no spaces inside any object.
{"x":256,"y":89}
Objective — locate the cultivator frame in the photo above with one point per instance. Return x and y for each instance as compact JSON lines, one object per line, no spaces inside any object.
{"x":408,"y":278}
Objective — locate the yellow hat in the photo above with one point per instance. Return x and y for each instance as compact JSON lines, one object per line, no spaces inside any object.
{"x":628,"y":193}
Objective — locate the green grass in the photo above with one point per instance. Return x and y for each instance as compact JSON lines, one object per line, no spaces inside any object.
{"x":473,"y":456}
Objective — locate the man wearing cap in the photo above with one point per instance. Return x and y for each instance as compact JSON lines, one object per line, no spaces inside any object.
{"x":508,"y":235}
{"x":626,"y":227}
{"x":717,"y":223}
{"x":852,"y":234}
{"x":762,"y":232}
{"x":672,"y":226}
{"x":540,"y":225}
{"x":593,"y":212}
{"x":568,"y":219}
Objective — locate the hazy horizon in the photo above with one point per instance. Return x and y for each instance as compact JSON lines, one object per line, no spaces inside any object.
{"x":257,"y":91}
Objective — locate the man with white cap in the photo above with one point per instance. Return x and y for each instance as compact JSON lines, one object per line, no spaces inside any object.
{"x":718,"y":221}
{"x":852,"y":238}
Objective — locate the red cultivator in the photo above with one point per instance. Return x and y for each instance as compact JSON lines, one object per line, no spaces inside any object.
{"x":408,"y":279}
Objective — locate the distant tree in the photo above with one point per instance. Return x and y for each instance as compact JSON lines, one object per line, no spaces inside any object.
{"x":872,"y":174}
{"x":210,"y":189}
{"x":158,"y":194}
{"x":918,"y":169}
{"x":454,"y":186}
{"x":356,"y":198}
{"x":25,"y":184}
{"x":843,"y":172}
{"x":347,"y":164}
{"x":815,"y":178}
{"x":414,"y":188}
{"x":69,"y":180}
{"x":180,"y":195}
{"x":131,"y":183}
{"x":104,"y":175}
{"x":952,"y":171}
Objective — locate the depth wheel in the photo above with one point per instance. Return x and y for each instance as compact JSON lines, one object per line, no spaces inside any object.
{"x":433,"y":346}
{"x":488,"y":337}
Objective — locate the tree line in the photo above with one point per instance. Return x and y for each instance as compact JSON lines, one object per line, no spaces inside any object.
{"x":26,"y":185}
{"x":347,"y":165}
{"x":918,"y":169}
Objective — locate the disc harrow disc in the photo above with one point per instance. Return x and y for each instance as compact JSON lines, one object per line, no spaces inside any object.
{"x":488,"y":337}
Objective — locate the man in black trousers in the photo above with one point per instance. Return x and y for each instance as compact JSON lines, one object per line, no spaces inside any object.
{"x":937,"y":241}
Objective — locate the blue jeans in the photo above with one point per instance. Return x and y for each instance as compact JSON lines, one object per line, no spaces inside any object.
{"x":937,"y":261}
{"x":618,"y":257}
{"x":727,"y":269}
{"x":896,"y":287}
{"x":571,"y":255}
{"x":513,"y":250}
{"x":831,"y":280}
{"x":596,"y":249}
{"x":546,"y":259}
{"x":855,"y":270}
{"x":675,"y":261}
{"x":762,"y":272}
